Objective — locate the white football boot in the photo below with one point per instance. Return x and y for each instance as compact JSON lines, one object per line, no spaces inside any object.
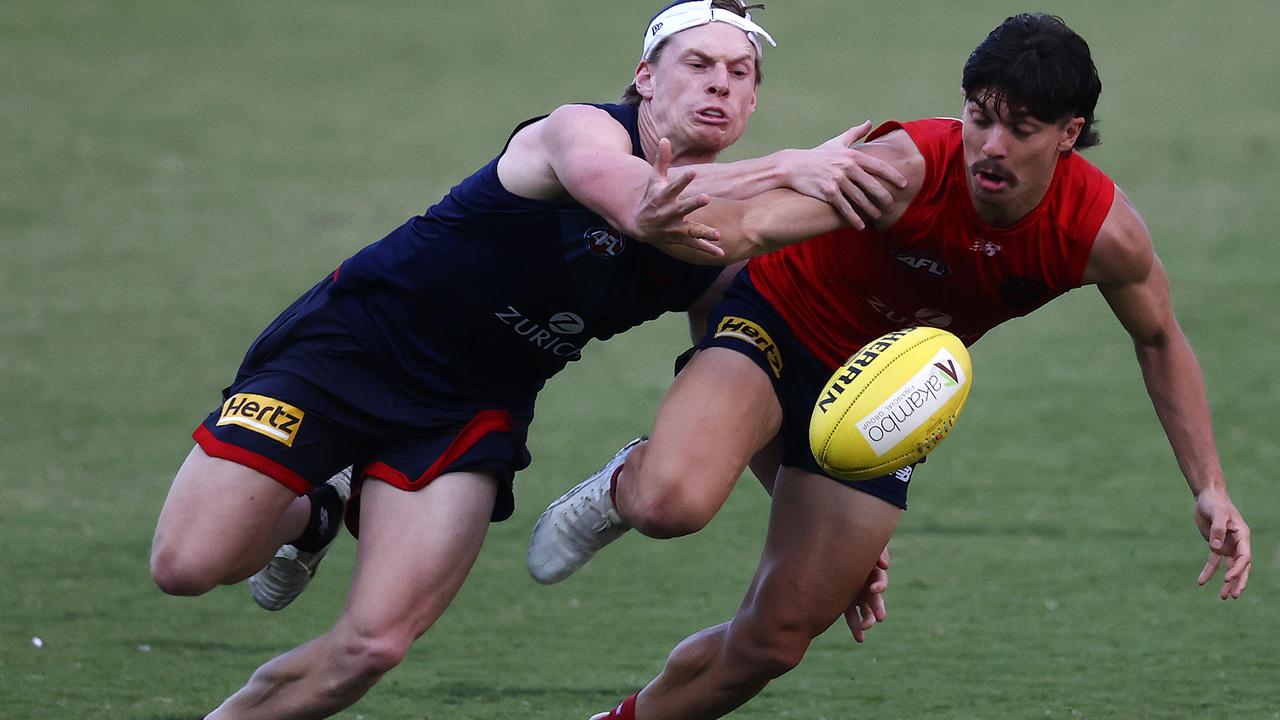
{"x":577,"y":525}
{"x":286,"y":576}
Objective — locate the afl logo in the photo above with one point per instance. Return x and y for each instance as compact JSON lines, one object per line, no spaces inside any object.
{"x":924,"y":262}
{"x":565,"y":323}
{"x":605,"y":242}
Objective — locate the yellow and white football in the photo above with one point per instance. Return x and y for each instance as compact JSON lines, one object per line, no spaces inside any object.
{"x":891,"y":403}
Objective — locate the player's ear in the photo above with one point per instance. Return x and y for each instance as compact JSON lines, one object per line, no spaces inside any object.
{"x":644,"y":80}
{"x":1070,"y":134}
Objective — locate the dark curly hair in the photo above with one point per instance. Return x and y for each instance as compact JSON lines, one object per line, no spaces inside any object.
{"x":1036,"y":65}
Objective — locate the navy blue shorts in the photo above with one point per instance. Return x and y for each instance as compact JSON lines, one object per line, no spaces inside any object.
{"x":746,"y":323}
{"x":308,"y":401}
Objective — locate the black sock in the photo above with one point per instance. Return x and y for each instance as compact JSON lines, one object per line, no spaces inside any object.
{"x":325,"y":522}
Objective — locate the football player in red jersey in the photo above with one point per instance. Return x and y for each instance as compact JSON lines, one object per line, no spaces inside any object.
{"x":1000,"y":215}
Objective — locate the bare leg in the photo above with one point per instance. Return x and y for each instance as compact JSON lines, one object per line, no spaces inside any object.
{"x":719,"y":411}
{"x":415,"y":550}
{"x":766,"y":463}
{"x":824,"y":538}
{"x":221,"y":522}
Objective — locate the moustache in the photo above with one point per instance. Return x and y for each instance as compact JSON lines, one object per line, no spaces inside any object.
{"x":993,"y":167}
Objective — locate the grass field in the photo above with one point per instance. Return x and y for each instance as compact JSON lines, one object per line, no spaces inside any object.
{"x":174,"y":173}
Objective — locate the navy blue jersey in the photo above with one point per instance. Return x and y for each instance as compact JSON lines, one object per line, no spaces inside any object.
{"x":492,"y":293}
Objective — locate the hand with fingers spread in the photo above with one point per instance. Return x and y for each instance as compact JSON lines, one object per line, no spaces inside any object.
{"x":661,"y":217}
{"x":868,"y":608}
{"x":1228,"y":535}
{"x":854,"y":183}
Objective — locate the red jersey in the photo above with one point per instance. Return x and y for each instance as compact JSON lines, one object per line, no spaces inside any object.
{"x":939,"y":264}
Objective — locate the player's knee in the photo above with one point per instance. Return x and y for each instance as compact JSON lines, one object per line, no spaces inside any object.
{"x":672,"y":512}
{"x":667,"y":497}
{"x":696,"y":653}
{"x":368,"y":656}
{"x":177,"y":573}
{"x":762,"y":654}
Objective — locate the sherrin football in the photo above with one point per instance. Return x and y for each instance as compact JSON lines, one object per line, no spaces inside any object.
{"x":891,"y":403}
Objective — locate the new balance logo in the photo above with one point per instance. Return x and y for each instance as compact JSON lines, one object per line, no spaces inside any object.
{"x":986,"y":247}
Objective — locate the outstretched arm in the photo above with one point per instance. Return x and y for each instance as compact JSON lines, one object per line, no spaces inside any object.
{"x":1124,"y":266}
{"x":836,"y":172}
{"x":745,"y":228}
{"x":580,"y":153}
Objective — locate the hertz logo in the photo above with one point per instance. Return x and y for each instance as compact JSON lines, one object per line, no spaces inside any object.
{"x":266,"y":416}
{"x":742,"y":329}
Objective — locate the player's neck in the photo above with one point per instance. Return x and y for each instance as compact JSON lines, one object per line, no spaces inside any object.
{"x":650,"y":134}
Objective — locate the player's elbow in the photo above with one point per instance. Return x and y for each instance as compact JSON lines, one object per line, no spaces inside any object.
{"x":1158,"y":340}
{"x":738,"y":244}
{"x":750,"y":244}
{"x":738,"y":237}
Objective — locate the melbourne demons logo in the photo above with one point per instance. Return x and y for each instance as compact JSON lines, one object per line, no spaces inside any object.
{"x":605,"y":242}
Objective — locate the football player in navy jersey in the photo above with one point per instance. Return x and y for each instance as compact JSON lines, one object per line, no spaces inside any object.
{"x":417,"y":361}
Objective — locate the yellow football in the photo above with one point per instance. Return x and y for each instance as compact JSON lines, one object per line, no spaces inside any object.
{"x":891,"y":403}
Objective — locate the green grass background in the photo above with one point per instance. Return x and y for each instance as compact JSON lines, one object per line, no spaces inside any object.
{"x":172,"y":174}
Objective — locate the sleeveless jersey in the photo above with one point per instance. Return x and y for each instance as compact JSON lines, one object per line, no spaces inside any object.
{"x":489,"y":294}
{"x":939,"y":264}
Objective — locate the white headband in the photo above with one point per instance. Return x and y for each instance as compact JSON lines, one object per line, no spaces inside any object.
{"x":693,"y":13}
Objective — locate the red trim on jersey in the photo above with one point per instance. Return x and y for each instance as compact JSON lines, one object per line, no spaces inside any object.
{"x":485,"y":422}
{"x":213,"y":447}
